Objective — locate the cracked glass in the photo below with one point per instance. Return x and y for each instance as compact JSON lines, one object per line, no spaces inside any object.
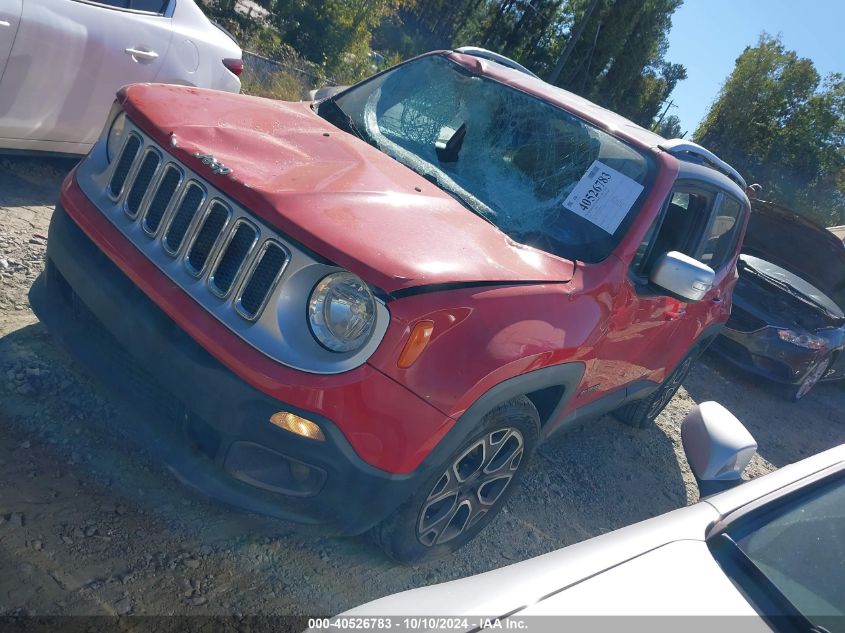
{"x":508,"y":156}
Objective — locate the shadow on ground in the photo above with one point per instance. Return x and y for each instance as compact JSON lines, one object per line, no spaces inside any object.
{"x":32,"y":181}
{"x":83,"y":471}
{"x":785,"y":431}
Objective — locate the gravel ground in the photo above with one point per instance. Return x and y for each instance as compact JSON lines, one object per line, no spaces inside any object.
{"x":92,"y":524}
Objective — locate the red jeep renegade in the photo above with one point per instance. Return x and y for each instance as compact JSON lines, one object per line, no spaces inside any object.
{"x":369,"y":310}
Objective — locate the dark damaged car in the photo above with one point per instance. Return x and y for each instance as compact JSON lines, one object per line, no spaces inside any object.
{"x":787,"y":321}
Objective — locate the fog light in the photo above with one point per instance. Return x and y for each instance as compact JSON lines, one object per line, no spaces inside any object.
{"x":298,"y":425}
{"x":300,"y":472}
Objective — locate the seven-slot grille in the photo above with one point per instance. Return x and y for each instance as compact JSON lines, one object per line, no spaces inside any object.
{"x":176,"y":213}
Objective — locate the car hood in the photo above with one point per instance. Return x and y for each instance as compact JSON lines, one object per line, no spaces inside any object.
{"x":511,"y":589}
{"x":798,"y":245}
{"x":679,"y":578}
{"x":660,"y":566}
{"x":333,"y":193}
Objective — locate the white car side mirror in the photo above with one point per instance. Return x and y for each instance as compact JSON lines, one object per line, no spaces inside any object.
{"x":682,"y":276}
{"x":718,"y":447}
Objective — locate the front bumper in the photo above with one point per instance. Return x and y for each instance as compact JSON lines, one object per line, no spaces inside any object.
{"x":210,"y":426}
{"x":763,"y":353}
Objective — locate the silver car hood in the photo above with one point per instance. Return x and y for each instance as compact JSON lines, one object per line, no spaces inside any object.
{"x":515,"y":587}
{"x":661,"y":566}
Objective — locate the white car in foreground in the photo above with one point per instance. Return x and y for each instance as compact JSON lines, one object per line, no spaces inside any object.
{"x":772,"y":547}
{"x":61,"y":62}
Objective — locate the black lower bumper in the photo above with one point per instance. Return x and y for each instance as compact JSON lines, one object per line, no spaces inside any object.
{"x":211,"y":427}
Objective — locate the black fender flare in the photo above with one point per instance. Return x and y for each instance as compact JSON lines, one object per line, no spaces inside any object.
{"x":567,"y":376}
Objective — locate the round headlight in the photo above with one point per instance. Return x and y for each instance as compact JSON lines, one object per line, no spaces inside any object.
{"x":117,"y":133}
{"x":341,"y":312}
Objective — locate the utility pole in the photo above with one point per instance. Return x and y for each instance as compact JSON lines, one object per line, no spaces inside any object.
{"x":660,"y":118}
{"x":574,"y":36}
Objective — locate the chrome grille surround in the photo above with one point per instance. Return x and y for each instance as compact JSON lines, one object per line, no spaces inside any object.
{"x":273,"y":319}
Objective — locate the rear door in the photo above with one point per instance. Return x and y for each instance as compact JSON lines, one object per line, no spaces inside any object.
{"x":70,"y":57}
{"x":10,"y":14}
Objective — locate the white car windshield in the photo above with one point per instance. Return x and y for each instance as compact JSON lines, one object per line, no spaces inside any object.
{"x":801,"y":549}
{"x":540,"y":174}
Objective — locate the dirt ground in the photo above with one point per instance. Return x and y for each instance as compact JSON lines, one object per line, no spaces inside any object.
{"x":92,"y":524}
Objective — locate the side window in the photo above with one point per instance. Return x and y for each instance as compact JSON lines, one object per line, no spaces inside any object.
{"x":150,"y":6}
{"x":680,"y":229}
{"x":721,"y":238}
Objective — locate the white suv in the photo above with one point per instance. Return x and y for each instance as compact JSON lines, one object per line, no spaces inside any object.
{"x":61,"y":62}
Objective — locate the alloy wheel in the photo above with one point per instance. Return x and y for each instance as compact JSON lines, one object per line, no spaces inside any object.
{"x":470,"y":486}
{"x":816,"y":373}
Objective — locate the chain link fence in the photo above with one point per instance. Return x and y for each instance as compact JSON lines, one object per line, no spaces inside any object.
{"x":291,"y":81}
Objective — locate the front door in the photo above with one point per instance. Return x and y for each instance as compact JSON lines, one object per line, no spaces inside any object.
{"x":649,"y":331}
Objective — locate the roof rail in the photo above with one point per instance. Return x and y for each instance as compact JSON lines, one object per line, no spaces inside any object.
{"x":483,"y":53}
{"x":678,"y":147}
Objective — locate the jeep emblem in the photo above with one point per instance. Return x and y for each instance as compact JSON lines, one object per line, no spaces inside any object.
{"x":216,"y":166}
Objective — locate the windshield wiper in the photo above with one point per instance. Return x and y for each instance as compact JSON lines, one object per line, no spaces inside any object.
{"x":457,"y":196}
{"x":786,"y":287}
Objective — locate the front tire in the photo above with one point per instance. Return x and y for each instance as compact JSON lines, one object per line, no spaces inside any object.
{"x":467,"y":490}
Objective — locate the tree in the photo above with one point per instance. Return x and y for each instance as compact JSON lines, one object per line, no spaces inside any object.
{"x":335,"y":33}
{"x":779,"y":124}
{"x":669,"y":127}
{"x":618,"y":58}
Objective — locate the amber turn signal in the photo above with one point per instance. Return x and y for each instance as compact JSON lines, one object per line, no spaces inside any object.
{"x":419,"y":338}
{"x":298,"y":425}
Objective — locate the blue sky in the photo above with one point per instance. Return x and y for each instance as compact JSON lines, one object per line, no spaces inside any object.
{"x":708,"y":35}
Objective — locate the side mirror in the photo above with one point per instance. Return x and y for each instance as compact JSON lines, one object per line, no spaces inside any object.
{"x":682,"y":276}
{"x":718,"y":447}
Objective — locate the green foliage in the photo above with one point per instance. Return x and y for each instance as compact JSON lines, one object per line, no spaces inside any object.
{"x":780,"y":125}
{"x":283,"y":85}
{"x":334,"y":33}
{"x":669,"y":127}
{"x":615,"y":48}
{"x":619,"y":60}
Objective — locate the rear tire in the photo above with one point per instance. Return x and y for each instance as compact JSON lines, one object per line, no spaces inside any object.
{"x":641,"y":414}
{"x":467,"y":490}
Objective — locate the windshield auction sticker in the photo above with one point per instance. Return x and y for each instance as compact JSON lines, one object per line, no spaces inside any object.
{"x":603,"y":196}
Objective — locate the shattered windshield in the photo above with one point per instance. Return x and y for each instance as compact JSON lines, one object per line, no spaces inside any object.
{"x":541,"y":175}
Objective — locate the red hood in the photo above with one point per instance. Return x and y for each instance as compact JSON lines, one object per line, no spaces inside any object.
{"x":334,"y":193}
